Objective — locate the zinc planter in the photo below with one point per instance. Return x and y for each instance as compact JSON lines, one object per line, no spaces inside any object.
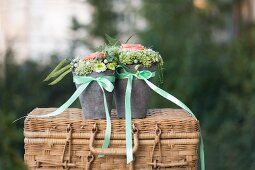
{"x":140,"y":94}
{"x":92,"y":99}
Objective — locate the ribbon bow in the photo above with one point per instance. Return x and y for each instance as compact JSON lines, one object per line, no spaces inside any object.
{"x":145,"y":75}
{"x":105,"y":82}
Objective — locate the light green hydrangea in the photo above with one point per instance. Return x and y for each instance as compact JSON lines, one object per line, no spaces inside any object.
{"x":145,"y":57}
{"x":84,"y":67}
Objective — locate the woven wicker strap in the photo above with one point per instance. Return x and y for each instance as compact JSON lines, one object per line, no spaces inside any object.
{"x":167,"y":165}
{"x":66,"y":164}
{"x":112,"y":151}
{"x":156,"y":142}
{"x":157,"y":164}
{"x":90,"y":159}
{"x":68,"y":141}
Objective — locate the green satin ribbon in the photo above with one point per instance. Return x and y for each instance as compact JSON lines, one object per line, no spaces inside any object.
{"x":105,"y":82}
{"x":145,"y":75}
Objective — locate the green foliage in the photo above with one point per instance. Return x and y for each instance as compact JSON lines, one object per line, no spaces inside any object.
{"x":112,"y":41}
{"x":22,"y":90}
{"x":129,"y":38}
{"x":58,"y":67}
{"x":112,"y":53}
{"x":215,"y":79}
{"x":104,"y":21}
{"x":10,"y":136}
{"x":61,"y":76}
{"x":60,"y":71}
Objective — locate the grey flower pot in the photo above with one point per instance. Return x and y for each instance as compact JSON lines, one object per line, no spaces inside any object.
{"x":140,"y":95}
{"x":92,"y":100}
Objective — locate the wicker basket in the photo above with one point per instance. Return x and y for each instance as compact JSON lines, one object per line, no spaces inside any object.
{"x":166,"y":139}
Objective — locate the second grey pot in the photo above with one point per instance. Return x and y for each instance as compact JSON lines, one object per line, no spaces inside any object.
{"x":140,"y":95}
{"x":92,"y":99}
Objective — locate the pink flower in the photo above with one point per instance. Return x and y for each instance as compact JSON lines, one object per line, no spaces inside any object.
{"x":132,"y":47}
{"x":93,"y":56}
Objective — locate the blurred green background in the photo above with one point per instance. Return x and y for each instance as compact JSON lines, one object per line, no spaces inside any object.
{"x":209,"y":64}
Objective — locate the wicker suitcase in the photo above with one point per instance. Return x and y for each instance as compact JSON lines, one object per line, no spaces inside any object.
{"x":166,"y":139}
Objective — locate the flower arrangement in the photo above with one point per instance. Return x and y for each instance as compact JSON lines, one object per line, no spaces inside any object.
{"x":96,"y":62}
{"x":107,"y":57}
{"x":99,"y":62}
{"x":139,"y":55}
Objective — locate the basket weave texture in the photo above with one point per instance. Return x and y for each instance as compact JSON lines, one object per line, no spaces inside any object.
{"x":165,"y":139}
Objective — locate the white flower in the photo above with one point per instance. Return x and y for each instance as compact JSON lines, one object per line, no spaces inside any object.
{"x":99,"y":67}
{"x":87,"y":62}
{"x":135,"y":61}
{"x":75,"y":65}
{"x":105,"y":61}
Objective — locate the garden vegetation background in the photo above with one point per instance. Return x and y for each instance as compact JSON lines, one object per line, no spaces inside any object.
{"x":216,"y":79}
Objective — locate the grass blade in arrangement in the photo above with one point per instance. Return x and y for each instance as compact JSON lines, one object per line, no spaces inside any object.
{"x":62,"y":70}
{"x":129,"y":38}
{"x":56,"y":69}
{"x":60,"y":77}
{"x":112,"y":41}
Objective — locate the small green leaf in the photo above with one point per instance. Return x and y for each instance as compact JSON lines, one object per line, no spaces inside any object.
{"x":109,"y":57}
{"x":111,"y":41}
{"x":56,"y":69}
{"x":57,"y":73}
{"x":60,"y":77}
{"x":101,"y":48}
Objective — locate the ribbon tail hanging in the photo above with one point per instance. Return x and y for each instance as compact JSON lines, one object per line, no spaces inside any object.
{"x":66,"y":104}
{"x":201,"y":151}
{"x":128,"y":120}
{"x":183,"y":106}
{"x":108,"y":124}
{"x":169,"y":97}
